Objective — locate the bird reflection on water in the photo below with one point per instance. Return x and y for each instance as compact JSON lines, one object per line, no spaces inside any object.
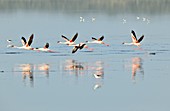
{"x":44,"y":68}
{"x":99,"y":75}
{"x":136,"y":67}
{"x":95,"y":69}
{"x":74,"y":67}
{"x":99,"y":70}
{"x":29,"y":71}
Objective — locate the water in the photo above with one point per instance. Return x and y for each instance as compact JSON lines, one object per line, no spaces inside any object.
{"x":132,"y":79}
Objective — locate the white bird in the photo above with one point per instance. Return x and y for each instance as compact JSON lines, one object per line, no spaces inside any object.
{"x":93,"y":19}
{"x":26,"y":44}
{"x":68,"y":42}
{"x":44,"y":49}
{"x":97,"y":86}
{"x":148,"y":21}
{"x":9,"y":41}
{"x":82,"y":19}
{"x":137,"y":18}
{"x":135,"y":41}
{"x":97,"y":41}
{"x":97,"y":76}
{"x":144,"y":19}
{"x":124,"y":21}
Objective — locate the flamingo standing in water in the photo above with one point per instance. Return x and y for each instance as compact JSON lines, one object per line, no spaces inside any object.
{"x":26,"y":44}
{"x":68,"y":42}
{"x":98,"y":41}
{"x":135,"y":41}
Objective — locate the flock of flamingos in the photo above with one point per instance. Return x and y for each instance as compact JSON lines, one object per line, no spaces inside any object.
{"x":27,"y":69}
{"x":26,"y":44}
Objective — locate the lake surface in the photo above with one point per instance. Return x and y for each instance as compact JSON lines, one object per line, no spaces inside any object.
{"x":132,"y":78}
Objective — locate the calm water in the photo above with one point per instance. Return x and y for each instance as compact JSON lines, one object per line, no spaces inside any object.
{"x":133,"y":79}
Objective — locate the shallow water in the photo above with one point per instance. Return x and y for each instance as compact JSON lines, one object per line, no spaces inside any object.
{"x":132,"y":79}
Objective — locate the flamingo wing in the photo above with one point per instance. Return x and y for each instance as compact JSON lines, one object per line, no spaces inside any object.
{"x":75,"y":48}
{"x":46,"y":45}
{"x":101,"y":38}
{"x":94,"y":38}
{"x":23,"y":41}
{"x":65,"y":38}
{"x":74,"y":37}
{"x":82,"y":46}
{"x":141,"y":38}
{"x":30,"y":40}
{"x":133,"y":35}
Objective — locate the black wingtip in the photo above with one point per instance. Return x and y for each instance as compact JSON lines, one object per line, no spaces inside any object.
{"x":73,"y":52}
{"x":82,"y":46}
{"x":32,"y":35}
{"x":46,"y":45}
{"x":141,"y":38}
{"x":93,"y":38}
{"x":132,"y":31}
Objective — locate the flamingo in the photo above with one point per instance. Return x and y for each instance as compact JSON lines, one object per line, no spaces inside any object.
{"x":78,"y":46}
{"x":26,"y":44}
{"x":68,"y":42}
{"x":135,"y":41}
{"x":44,"y":49}
{"x":97,"y":41}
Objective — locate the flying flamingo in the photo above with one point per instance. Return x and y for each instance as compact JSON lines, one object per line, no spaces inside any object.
{"x":98,"y":41}
{"x":26,"y":44}
{"x":44,"y":49}
{"x":135,"y":41}
{"x":68,"y":42}
{"x":78,"y":46}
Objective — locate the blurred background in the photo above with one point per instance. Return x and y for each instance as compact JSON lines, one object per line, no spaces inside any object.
{"x":110,"y":7}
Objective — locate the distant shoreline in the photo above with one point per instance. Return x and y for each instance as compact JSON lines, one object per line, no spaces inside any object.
{"x":110,"y":7}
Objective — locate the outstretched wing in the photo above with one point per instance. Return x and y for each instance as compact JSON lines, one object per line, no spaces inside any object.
{"x":46,"y":45}
{"x":94,"y":38}
{"x":133,"y":35}
{"x":30,"y":40}
{"x":65,"y":38}
{"x":141,"y":38}
{"x":74,"y":49}
{"x":23,"y":41}
{"x":74,"y":38}
{"x":101,"y":38}
{"x":82,"y":46}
